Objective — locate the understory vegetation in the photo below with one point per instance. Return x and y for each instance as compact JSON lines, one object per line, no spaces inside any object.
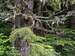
{"x":44,"y":29}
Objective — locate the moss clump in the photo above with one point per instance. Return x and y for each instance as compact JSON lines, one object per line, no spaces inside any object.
{"x":37,"y":46}
{"x":27,"y":34}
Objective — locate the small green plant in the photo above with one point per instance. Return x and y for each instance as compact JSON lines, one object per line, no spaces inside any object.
{"x":6,"y":47}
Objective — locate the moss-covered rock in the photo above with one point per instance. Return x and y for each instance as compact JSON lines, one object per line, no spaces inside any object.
{"x":27,"y":34}
{"x":37,"y":46}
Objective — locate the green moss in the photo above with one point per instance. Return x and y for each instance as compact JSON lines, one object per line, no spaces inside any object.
{"x":42,"y":50}
{"x":37,"y":45}
{"x":26,"y":33}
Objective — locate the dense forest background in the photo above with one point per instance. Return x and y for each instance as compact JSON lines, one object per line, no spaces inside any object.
{"x":37,"y":27}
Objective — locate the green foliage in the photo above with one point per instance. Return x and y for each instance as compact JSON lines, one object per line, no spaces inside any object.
{"x":42,"y":50}
{"x":55,"y":4}
{"x":37,"y":46}
{"x":5,"y":47}
{"x":51,"y":45}
{"x":63,"y":45}
{"x":4,"y":28}
{"x":70,"y":33}
{"x":26,"y":33}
